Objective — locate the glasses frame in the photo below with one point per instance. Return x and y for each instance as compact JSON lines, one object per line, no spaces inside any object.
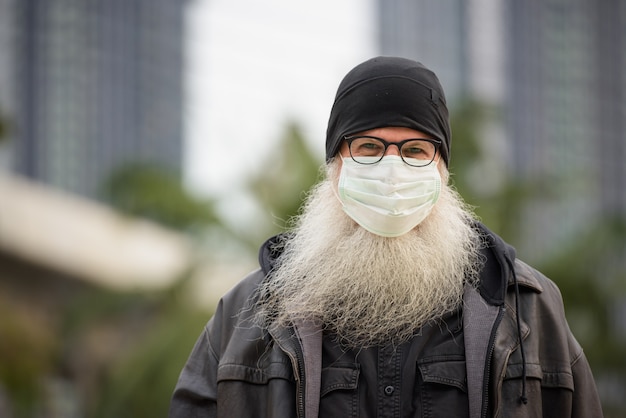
{"x":350,"y":138}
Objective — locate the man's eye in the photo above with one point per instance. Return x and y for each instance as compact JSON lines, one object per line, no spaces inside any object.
{"x":367,"y":147}
{"x":418,"y":149}
{"x":413,"y":150}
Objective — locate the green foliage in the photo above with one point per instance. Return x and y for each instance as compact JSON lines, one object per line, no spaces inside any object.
{"x":501,"y":208}
{"x":4,"y":129}
{"x":591,"y":274}
{"x":27,"y":351}
{"x":141,"y":339}
{"x":141,"y":380}
{"x":465,"y":124}
{"x":152,"y":192}
{"x":290,"y":172}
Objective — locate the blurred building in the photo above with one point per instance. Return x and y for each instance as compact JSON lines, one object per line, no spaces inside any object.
{"x":85,"y":240}
{"x":566,"y":103}
{"x":91,"y":85}
{"x":431,"y":32}
{"x":557,"y":69}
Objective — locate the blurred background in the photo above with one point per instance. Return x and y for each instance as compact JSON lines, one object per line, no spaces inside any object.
{"x":148,"y":147}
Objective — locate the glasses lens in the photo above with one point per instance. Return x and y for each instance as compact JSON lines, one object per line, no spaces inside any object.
{"x":418,"y":152}
{"x":367,"y":150}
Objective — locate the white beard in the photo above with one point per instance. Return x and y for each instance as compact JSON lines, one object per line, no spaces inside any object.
{"x":368,"y":289}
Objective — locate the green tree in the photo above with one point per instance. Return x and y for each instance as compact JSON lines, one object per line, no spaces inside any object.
{"x":160,"y":329}
{"x":287,"y":175}
{"x":154,"y":192}
{"x":473,"y":163}
{"x":4,"y":129}
{"x":27,"y":352}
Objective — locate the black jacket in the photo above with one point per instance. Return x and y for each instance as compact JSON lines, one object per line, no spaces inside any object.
{"x":238,"y":370}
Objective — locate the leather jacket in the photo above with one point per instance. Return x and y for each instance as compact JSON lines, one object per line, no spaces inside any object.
{"x":238,"y":370}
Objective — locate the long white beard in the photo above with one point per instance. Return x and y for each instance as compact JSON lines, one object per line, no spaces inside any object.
{"x":368,"y":289}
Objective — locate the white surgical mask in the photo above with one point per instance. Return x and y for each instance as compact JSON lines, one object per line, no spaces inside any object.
{"x":388,"y":198}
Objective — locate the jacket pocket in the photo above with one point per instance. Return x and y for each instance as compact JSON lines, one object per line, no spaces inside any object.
{"x":338,"y":378}
{"x":339,"y":391}
{"x":549,"y":394}
{"x":254,"y":368}
{"x":449,"y":372}
{"x":255,"y":375}
{"x":250,"y":392}
{"x":442,"y":392}
{"x":548,"y":379}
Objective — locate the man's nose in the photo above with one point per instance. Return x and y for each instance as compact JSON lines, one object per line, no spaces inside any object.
{"x":393,"y":149}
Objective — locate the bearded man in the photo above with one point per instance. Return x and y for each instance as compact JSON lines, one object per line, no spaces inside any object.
{"x":388,"y":298}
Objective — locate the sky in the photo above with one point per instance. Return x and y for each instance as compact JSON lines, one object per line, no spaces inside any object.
{"x":253,"y":66}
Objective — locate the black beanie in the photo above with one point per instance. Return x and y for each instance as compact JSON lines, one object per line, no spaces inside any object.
{"x":384,"y":92}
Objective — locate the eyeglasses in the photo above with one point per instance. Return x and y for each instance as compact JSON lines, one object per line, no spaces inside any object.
{"x":365,"y":149}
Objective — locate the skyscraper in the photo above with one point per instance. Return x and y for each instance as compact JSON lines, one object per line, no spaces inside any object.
{"x":97,"y":84}
{"x":567,"y":107}
{"x":432,"y":32}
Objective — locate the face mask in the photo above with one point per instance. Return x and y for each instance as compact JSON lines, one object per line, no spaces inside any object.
{"x":388,"y":198}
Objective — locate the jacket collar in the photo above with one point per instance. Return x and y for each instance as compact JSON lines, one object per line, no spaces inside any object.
{"x":500,"y":268}
{"x":270,"y":251}
{"x":526,"y":276}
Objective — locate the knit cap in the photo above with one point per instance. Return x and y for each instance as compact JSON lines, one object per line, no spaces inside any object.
{"x":389,"y":91}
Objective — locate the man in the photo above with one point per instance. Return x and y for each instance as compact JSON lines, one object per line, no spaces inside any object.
{"x":388,"y":298}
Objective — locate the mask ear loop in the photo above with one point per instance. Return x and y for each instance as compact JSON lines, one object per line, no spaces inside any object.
{"x":335,"y":184}
{"x":339,"y":170}
{"x":443,"y":173}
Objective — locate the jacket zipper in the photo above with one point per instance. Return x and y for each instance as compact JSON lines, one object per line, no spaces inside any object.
{"x":492,"y":345}
{"x":300,"y":387}
{"x":296,"y":357}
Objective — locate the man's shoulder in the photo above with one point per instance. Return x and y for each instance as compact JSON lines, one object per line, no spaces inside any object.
{"x":539,"y":287}
{"x":530,"y":277}
{"x":235,"y":308}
